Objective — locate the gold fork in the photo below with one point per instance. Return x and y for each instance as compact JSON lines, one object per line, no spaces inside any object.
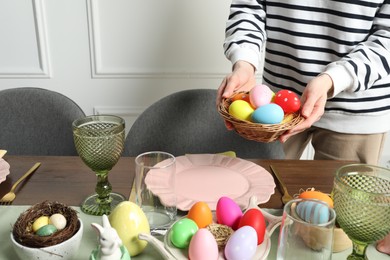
{"x":286,"y":197}
{"x":8,"y":198}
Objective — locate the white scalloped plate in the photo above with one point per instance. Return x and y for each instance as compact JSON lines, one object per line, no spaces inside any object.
{"x":208,"y":177}
{"x":262,"y":250}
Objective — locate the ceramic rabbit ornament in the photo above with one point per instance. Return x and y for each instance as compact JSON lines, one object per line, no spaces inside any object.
{"x":110,"y":243}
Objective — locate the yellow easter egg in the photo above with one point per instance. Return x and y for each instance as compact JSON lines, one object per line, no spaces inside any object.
{"x":129,"y":220}
{"x":287,"y":118}
{"x":241,"y":109}
{"x":40,"y":222}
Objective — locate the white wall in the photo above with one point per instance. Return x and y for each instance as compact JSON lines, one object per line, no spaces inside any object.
{"x":114,"y":56}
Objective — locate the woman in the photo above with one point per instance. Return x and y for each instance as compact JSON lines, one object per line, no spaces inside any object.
{"x":334,"y":54}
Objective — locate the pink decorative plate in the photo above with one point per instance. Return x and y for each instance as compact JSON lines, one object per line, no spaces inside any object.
{"x":207,"y":177}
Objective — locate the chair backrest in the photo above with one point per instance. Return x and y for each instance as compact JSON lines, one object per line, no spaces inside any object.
{"x":188,"y":122}
{"x":36,"y":121}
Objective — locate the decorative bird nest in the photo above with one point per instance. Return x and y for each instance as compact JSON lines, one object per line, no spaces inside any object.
{"x":23,"y":232}
{"x":265,"y":133}
{"x":221,"y":233}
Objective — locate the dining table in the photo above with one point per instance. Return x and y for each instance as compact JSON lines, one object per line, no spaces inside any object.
{"x":68,"y":180}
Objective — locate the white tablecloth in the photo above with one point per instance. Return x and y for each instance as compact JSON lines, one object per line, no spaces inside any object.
{"x":9,"y":214}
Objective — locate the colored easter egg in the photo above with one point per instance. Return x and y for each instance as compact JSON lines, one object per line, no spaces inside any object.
{"x":129,"y":220}
{"x":40,"y":222}
{"x":241,"y":109}
{"x":203,"y":246}
{"x":241,"y":96}
{"x":314,"y":194}
{"x":200,"y":212}
{"x":46,"y":230}
{"x":260,"y":95}
{"x":254,"y":218}
{"x":242,"y":244}
{"x":288,"y":101}
{"x":58,"y":220}
{"x":182,"y":232}
{"x":268,"y":114}
{"x":313,"y":212}
{"x":228,"y":212}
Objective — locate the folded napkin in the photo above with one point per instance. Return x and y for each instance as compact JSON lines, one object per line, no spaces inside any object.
{"x":4,"y":169}
{"x":228,"y":153}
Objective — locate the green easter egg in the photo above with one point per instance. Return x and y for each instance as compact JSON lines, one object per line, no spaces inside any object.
{"x":182,"y":232}
{"x":46,"y":230}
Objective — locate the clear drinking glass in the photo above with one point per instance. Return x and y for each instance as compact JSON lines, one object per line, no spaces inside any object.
{"x":99,"y":141}
{"x":300,"y":239}
{"x":361,"y":195}
{"x":156,"y":170}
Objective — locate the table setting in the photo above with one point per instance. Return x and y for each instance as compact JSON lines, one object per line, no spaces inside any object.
{"x":160,"y":206}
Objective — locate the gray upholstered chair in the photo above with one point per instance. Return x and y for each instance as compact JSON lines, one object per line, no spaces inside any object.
{"x":36,"y":121}
{"x":188,"y":122}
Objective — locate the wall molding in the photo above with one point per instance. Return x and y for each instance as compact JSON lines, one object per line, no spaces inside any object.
{"x":44,"y":69}
{"x":101,"y":70}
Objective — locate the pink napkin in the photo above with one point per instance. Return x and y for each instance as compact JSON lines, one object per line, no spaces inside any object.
{"x":4,"y":169}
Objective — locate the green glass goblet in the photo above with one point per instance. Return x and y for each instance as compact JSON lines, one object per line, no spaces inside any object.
{"x":361,"y":196}
{"x":99,"y":141}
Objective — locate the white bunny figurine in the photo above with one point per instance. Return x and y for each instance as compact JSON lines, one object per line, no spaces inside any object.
{"x":109,"y":240}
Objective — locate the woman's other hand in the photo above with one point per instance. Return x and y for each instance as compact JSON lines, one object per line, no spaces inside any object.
{"x":313,"y":102}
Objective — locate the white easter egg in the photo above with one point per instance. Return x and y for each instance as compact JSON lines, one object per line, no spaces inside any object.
{"x":242,"y":244}
{"x":58,"y":220}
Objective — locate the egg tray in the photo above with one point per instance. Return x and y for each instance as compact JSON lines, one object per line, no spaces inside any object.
{"x":265,"y":133}
{"x":22,"y":229}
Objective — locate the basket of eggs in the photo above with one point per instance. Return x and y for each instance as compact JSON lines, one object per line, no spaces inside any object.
{"x":260,"y":114}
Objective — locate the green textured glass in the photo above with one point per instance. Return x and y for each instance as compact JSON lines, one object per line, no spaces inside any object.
{"x":361,"y":195}
{"x":99,"y":141}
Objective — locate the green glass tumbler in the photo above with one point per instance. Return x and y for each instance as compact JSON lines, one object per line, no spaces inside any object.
{"x":99,"y":141}
{"x":361,"y":195}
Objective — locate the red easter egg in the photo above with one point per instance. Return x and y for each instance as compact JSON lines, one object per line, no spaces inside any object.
{"x":254,"y":218}
{"x":288,"y":100}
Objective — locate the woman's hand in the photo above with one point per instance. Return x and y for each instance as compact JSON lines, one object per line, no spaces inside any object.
{"x":313,"y":104}
{"x":242,"y":78}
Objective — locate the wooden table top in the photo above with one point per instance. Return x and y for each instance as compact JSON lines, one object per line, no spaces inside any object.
{"x":68,"y":180}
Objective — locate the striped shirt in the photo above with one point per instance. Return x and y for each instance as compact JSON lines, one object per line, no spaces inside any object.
{"x":347,"y":39}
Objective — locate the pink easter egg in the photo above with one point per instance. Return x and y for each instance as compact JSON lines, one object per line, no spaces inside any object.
{"x":260,"y":95}
{"x":203,"y":246}
{"x":228,"y":212}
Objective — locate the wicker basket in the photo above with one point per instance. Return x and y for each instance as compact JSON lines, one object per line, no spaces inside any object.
{"x":265,"y":133}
